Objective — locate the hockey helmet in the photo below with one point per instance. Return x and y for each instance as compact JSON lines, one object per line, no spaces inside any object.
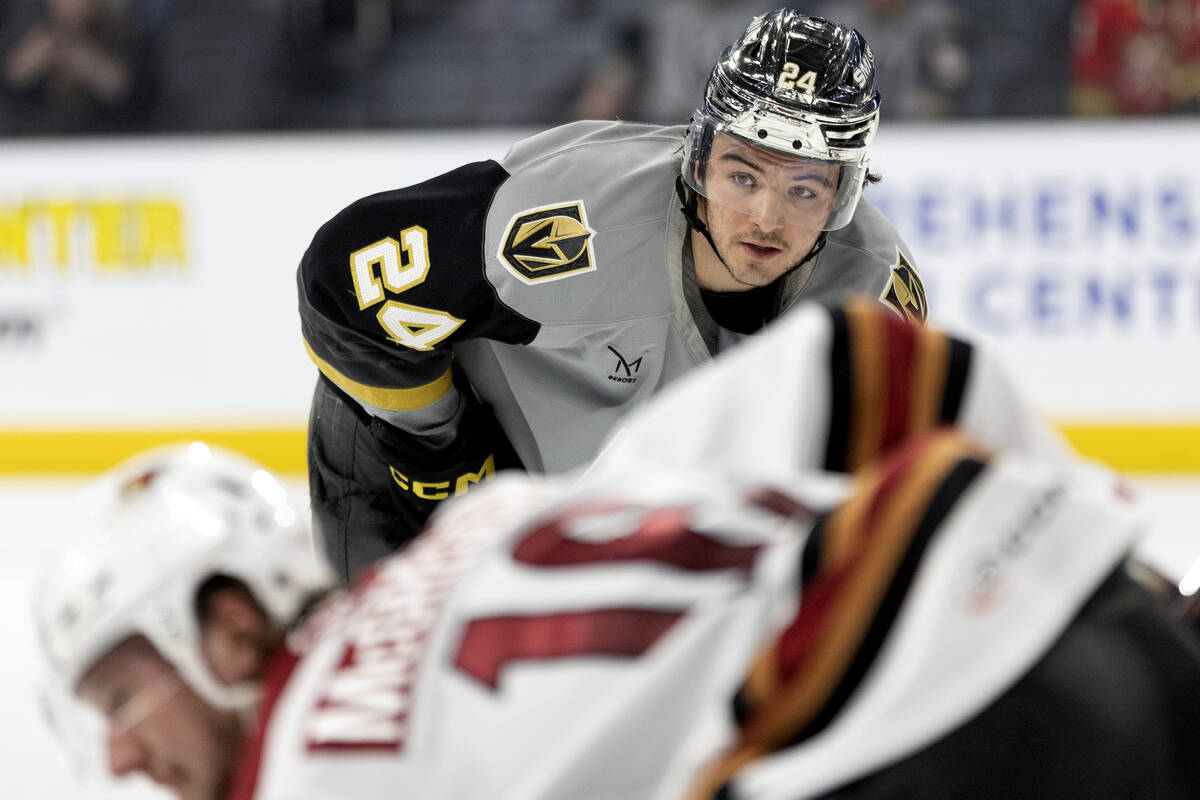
{"x":155,"y":529}
{"x":800,"y":88}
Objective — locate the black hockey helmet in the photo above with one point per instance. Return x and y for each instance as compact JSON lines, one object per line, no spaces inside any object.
{"x":797,"y":85}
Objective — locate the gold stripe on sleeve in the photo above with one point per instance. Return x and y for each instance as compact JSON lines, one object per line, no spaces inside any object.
{"x":387,"y":399}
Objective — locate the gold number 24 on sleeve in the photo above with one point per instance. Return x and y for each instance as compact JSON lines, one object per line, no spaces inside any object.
{"x":399,"y":266}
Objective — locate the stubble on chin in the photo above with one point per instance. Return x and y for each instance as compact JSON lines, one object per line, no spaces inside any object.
{"x":748,"y":273}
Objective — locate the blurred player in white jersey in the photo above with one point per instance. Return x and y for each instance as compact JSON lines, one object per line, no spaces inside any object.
{"x":953,"y":621}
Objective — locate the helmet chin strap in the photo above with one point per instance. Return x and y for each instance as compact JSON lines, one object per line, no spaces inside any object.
{"x":690,"y":200}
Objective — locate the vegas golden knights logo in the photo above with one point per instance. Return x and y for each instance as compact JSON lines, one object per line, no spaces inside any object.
{"x":905,"y":291}
{"x":548,"y":243}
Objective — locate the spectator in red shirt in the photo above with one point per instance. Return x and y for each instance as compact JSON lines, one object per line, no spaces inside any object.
{"x":1135,"y":56}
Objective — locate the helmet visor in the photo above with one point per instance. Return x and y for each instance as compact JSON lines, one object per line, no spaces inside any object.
{"x":773,"y":187}
{"x":88,"y":735}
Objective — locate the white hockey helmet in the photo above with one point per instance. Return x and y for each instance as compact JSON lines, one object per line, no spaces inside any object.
{"x":801,"y":88}
{"x":155,"y":529}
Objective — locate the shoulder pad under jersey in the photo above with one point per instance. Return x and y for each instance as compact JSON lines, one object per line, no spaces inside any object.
{"x":399,"y":274}
{"x":868,"y":256}
{"x":581,"y":229}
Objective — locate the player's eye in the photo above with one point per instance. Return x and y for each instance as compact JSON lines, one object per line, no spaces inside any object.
{"x":743,"y":179}
{"x":801,"y":192}
{"x":117,"y":703}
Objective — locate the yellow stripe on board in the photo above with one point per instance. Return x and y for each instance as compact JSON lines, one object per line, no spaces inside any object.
{"x":1149,"y":449}
{"x":1159,"y":448}
{"x":46,"y":452}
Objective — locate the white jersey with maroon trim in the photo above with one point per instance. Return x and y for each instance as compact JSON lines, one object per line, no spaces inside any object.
{"x":830,"y":389}
{"x":671,"y":635}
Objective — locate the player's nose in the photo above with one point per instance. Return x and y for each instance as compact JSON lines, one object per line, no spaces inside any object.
{"x":766,"y":209}
{"x":126,"y":754}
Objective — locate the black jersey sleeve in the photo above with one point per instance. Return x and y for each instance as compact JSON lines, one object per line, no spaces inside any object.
{"x":385,"y":288}
{"x":395,"y":278}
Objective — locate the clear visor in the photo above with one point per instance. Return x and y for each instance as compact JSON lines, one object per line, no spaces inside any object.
{"x":89,"y":735}
{"x":772,"y":187}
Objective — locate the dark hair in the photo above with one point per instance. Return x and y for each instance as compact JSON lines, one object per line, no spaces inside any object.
{"x":218,"y":583}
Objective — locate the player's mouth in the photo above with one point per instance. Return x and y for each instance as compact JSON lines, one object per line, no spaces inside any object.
{"x":759,"y":251}
{"x":172,"y":778}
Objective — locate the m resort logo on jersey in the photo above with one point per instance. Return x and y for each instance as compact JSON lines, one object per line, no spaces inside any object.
{"x":548,"y":243}
{"x":626,"y":371}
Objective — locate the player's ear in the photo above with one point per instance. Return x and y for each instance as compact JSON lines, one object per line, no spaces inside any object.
{"x":236,"y":636}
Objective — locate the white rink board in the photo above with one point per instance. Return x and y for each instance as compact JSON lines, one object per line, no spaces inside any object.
{"x":1075,"y":247}
{"x":100,"y":327}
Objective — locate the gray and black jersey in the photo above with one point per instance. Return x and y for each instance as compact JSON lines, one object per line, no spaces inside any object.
{"x":556,"y":286}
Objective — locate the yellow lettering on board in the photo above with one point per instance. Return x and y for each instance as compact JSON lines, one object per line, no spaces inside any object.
{"x":59,"y":214}
{"x":108,"y":227}
{"x":113,"y":233}
{"x":160,"y":238}
{"x":14,"y":236}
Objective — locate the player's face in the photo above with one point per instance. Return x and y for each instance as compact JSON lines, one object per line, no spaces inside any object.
{"x":158,"y":726}
{"x":764,"y":212}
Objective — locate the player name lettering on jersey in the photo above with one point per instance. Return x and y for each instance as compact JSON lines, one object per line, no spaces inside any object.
{"x":987,"y":586}
{"x":366,"y":699}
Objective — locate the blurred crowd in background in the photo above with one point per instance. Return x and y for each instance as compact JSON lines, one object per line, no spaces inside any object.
{"x":129,"y":66}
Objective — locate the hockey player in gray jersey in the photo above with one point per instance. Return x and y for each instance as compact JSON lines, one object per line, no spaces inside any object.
{"x":509,"y":313}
